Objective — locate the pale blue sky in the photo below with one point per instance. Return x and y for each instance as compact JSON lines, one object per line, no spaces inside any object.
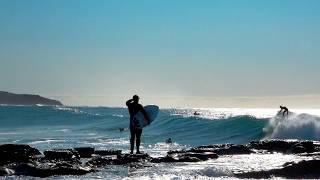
{"x":159,"y":48}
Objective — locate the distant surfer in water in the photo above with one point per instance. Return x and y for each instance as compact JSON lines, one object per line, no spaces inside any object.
{"x":285,"y":110}
{"x":135,"y":129}
{"x":196,"y":113}
{"x":123,"y":129}
{"x":169,"y":141}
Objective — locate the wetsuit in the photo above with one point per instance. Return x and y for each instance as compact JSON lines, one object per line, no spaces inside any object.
{"x":285,"y":110}
{"x":135,"y":129}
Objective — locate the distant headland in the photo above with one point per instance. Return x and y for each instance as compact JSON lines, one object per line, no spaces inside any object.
{"x":26,"y":99}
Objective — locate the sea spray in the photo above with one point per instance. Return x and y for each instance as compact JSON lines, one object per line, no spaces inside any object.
{"x":293,"y":126}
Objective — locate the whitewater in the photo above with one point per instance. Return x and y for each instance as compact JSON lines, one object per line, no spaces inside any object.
{"x":49,"y":127}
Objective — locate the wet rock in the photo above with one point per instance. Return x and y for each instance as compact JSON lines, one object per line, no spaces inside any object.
{"x":17,"y":153}
{"x":163,"y":159}
{"x":107,"y":152}
{"x":302,"y":169}
{"x":298,"y":149}
{"x":185,"y":157}
{"x":100,"y":161}
{"x":316,"y":146}
{"x":132,"y":158}
{"x":203,"y":156}
{"x":272,"y":145}
{"x":66,"y":154}
{"x":179,"y":151}
{"x":120,"y":160}
{"x":171,"y":159}
{"x":25,"y":160}
{"x":85,"y":152}
{"x":314,"y":154}
{"x":50,"y":169}
{"x":283,"y":146}
{"x":276,"y":145}
{"x":27,"y":169}
{"x":73,"y":161}
{"x":310,"y":147}
{"x":6,"y":171}
{"x":233,"y":149}
{"x":220,"y":149}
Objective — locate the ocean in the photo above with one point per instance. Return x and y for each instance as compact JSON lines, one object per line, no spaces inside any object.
{"x":49,"y":127}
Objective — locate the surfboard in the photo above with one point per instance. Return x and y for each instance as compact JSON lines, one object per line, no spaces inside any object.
{"x":152,"y":112}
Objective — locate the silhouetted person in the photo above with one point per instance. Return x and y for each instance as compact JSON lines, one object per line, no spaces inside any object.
{"x":196,"y":113}
{"x":135,"y":129}
{"x":285,"y":110}
{"x":169,"y":141}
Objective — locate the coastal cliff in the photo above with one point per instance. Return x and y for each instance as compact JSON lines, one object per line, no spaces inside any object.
{"x":26,"y":99}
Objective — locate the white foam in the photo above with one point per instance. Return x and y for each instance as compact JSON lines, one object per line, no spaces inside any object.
{"x":8,"y":133}
{"x":74,"y":110}
{"x":120,"y":141}
{"x":223,"y":113}
{"x":161,"y":148}
{"x":294,"y":126}
{"x":117,"y":115}
{"x":47,"y":141}
{"x":62,"y":130}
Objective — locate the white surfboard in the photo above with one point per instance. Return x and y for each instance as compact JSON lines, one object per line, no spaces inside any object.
{"x":152,"y":112}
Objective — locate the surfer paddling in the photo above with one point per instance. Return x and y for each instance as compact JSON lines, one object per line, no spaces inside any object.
{"x":169,"y":141}
{"x":285,"y":110}
{"x":196,"y":113}
{"x":135,"y":128}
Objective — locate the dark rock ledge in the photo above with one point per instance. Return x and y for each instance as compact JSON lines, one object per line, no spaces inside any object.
{"x":303,"y":170}
{"x":19,"y":159}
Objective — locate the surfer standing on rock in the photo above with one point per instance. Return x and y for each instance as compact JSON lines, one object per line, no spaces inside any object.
{"x":135,"y":129}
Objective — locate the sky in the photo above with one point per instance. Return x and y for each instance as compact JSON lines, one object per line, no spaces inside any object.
{"x":176,"y":53}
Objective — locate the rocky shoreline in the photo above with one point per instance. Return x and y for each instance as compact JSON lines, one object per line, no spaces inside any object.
{"x":19,"y":159}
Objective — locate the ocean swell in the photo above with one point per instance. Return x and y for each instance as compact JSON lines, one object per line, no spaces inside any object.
{"x":212,"y":126}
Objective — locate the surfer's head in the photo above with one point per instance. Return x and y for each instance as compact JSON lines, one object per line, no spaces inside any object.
{"x":136,"y":98}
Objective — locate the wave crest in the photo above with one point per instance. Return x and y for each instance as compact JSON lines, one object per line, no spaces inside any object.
{"x":293,"y":126}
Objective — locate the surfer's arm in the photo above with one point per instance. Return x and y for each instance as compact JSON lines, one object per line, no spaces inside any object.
{"x":129,"y":102}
